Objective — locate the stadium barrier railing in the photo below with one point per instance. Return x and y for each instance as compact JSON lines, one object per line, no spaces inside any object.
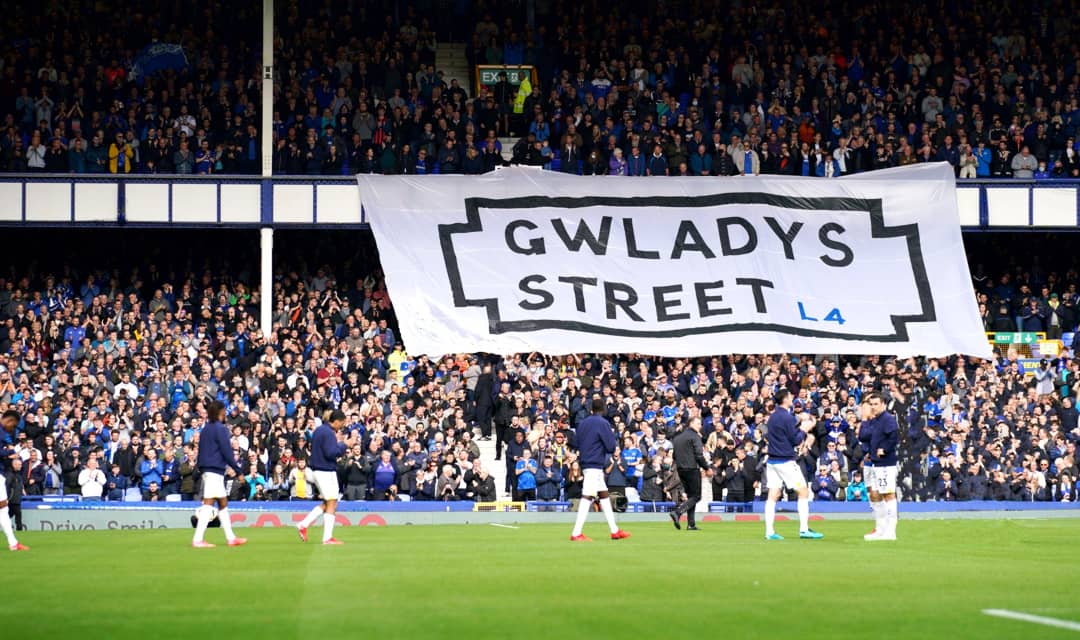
{"x":66,"y":200}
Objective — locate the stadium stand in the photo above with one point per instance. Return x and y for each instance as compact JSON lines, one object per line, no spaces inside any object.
{"x":665,"y":88}
{"x":111,"y":358}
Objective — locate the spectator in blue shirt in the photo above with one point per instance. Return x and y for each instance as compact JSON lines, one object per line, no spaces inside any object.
{"x":170,"y":473}
{"x":824,"y":485}
{"x":856,"y":489}
{"x":525,"y":470}
{"x":149,"y":470}
{"x":631,"y":461}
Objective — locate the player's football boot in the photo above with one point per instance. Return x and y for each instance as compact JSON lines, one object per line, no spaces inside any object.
{"x":580,"y":538}
{"x":810,"y":534}
{"x":620,"y":535}
{"x":202,"y":544}
{"x":302,"y":532}
{"x":237,"y":542}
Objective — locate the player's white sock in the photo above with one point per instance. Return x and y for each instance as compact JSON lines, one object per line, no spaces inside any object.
{"x":5,"y":525}
{"x":804,"y":514}
{"x":226,"y":524}
{"x":770,"y":517}
{"x":609,"y":514}
{"x":891,"y":516}
{"x":328,"y":526}
{"x":311,"y":517}
{"x":582,"y":512}
{"x":203,"y":513}
{"x":879,"y":512}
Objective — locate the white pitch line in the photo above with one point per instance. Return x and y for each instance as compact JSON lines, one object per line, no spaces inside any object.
{"x":1027,"y":617}
{"x":504,"y":526}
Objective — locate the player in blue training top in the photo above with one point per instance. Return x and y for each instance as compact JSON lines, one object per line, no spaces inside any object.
{"x":880,"y":435}
{"x":327,"y":445}
{"x":596,"y":442}
{"x":215,"y":460}
{"x":786,"y":435}
{"x":8,"y":422}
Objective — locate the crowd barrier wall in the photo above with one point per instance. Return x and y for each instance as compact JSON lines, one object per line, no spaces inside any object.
{"x":64,"y":200}
{"x":83,"y":516}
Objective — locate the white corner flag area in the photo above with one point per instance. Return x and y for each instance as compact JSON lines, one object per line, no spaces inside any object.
{"x":520,"y":261}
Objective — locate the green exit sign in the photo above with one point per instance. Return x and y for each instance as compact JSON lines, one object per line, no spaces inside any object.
{"x":1025,"y":337}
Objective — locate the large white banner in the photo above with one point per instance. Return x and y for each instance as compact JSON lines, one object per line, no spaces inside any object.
{"x":523,"y":260}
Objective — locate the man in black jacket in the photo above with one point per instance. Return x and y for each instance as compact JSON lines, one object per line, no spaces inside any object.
{"x":690,"y":462}
{"x":504,"y":412}
{"x":485,"y":385}
{"x":355,"y":472}
{"x":15,"y":490}
{"x":479,"y":486}
{"x":70,"y":468}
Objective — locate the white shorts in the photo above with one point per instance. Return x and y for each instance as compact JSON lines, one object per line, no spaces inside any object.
{"x":327,"y":484}
{"x":787,"y":474}
{"x":213,"y":486}
{"x":592,"y":482}
{"x":881,"y":479}
{"x":3,"y":489}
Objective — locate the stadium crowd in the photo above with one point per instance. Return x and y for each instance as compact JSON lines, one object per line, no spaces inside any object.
{"x":661,"y":88}
{"x":112,"y":371}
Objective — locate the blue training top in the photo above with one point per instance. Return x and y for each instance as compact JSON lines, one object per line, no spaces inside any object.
{"x":215,"y":449}
{"x":881,"y":432}
{"x":596,"y":441}
{"x":784,"y":436}
{"x":325,"y":449}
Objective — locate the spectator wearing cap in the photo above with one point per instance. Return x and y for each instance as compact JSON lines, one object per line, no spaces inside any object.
{"x":116,"y":484}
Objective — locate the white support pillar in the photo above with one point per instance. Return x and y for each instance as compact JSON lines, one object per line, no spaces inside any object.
{"x":266,"y":233}
{"x":266,"y":280}
{"x":268,"y":89}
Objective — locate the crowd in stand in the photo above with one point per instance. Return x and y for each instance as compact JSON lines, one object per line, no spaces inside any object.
{"x":112,"y":371}
{"x":665,"y":88}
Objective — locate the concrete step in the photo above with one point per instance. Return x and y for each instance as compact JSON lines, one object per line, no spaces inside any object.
{"x":450,"y":59}
{"x":508,"y":147}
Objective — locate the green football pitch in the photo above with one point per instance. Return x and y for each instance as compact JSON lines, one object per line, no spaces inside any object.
{"x":483,"y":581}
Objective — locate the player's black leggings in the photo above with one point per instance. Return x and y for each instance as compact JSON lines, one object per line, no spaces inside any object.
{"x":691,"y":482}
